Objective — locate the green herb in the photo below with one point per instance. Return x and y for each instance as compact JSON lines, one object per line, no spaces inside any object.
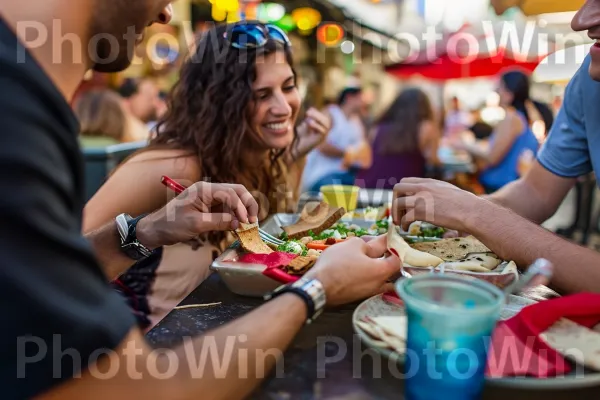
{"x":293,"y":247}
{"x":284,"y":237}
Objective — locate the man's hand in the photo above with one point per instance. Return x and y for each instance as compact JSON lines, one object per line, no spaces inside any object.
{"x":354,"y":270}
{"x":203,"y":207}
{"x":432,"y":201}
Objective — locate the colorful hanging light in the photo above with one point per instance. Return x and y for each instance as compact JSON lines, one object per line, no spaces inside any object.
{"x":306,"y":18}
{"x":270,"y":12}
{"x":218,"y":14}
{"x":252,"y":11}
{"x":286,"y":23}
{"x":330,"y":34}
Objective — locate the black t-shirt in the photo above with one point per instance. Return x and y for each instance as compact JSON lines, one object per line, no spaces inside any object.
{"x":57,"y":311}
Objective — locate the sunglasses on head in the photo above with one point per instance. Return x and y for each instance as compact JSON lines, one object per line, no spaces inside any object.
{"x":253,"y":36}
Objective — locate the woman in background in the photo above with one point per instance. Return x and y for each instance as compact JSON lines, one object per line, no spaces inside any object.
{"x":405,"y":141}
{"x":232,"y":118}
{"x":101,"y":117}
{"x":512,"y":139}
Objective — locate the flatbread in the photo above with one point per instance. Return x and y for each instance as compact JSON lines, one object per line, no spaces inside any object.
{"x":396,"y":326}
{"x":454,"y":249}
{"x":575,"y":342}
{"x":407,"y":254}
{"x":315,"y":217}
{"x":484,"y":262}
{"x":301,"y":264}
{"x":250,"y":239}
{"x":390,"y":331}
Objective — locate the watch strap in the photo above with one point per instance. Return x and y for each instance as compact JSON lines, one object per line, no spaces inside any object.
{"x":130,"y":245}
{"x":311,"y":291}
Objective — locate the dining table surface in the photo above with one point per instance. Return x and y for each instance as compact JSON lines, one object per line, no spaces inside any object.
{"x":326,"y":360}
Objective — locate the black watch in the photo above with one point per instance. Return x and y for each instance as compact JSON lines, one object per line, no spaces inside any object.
{"x":309,"y":290}
{"x":126,"y":225}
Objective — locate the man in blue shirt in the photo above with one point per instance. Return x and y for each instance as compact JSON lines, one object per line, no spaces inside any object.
{"x":503,"y":221}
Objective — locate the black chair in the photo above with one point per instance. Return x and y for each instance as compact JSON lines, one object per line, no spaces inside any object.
{"x":584,"y":190}
{"x":100,"y":162}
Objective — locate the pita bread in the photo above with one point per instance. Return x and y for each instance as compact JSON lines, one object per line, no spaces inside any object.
{"x":395,"y":326}
{"x":484,"y":262}
{"x":454,"y":249}
{"x":314,"y":217}
{"x":575,"y":342}
{"x":301,"y":264}
{"x":250,"y":239}
{"x":407,"y":254}
{"x":390,"y":331}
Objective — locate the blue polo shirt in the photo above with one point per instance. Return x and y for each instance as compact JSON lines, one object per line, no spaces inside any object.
{"x":572,"y":148}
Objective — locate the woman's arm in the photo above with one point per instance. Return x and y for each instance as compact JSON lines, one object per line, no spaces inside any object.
{"x":135,"y":187}
{"x":504,"y":136}
{"x":429,"y":140}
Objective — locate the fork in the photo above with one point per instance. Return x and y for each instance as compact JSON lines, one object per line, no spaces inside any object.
{"x":178,"y":189}
{"x":266,"y":237}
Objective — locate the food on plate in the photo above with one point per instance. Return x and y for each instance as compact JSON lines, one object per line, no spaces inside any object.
{"x":293,"y":247}
{"x":575,"y":342}
{"x":455,"y":249}
{"x":300,"y":265}
{"x":388,"y":331}
{"x":407,"y":254}
{"x":315,"y":218}
{"x":425,"y":229}
{"x":250,"y":239}
{"x":460,"y":254}
{"x":370,"y":213}
{"x":476,"y":262}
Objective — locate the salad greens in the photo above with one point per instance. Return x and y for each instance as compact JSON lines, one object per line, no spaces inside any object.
{"x":434,"y":232}
{"x":293,"y":247}
{"x":343,"y":230}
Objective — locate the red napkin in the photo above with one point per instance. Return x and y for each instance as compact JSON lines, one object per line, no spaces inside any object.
{"x":277,"y":259}
{"x":516,"y":348}
{"x":274,"y":262}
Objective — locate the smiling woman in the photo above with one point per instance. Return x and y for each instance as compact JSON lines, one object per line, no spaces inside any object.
{"x":232,"y":119}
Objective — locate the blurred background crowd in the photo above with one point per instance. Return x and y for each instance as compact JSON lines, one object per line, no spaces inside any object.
{"x":400,"y":106}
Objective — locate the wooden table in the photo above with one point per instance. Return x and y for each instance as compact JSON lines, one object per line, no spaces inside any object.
{"x":305,"y":374}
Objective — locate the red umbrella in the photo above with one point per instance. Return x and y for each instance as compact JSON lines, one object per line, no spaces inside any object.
{"x":446,"y":67}
{"x":460,"y":62}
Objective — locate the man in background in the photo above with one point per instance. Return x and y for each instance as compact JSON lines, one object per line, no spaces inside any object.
{"x":141,"y":100}
{"x":345,"y":149}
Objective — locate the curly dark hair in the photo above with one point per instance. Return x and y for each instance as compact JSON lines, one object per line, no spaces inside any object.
{"x":209,"y":111}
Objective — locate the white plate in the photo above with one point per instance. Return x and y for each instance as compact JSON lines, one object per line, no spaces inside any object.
{"x":376,"y":306}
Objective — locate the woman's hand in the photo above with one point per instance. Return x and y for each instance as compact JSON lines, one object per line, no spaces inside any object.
{"x":312,"y":132}
{"x":201,"y":208}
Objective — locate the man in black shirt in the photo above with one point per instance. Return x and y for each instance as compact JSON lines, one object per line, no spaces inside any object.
{"x":65,"y":334}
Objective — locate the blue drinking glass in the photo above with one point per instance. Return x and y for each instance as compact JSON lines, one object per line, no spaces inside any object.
{"x":450,"y":323}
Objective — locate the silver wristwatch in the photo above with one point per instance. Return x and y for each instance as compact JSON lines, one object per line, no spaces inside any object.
{"x":310,"y":290}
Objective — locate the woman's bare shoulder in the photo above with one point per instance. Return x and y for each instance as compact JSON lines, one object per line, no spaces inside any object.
{"x":177,"y":164}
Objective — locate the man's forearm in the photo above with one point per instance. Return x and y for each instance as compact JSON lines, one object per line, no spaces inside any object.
{"x":258,"y":341}
{"x":577,"y":269}
{"x":227,"y":363}
{"x":107,"y":247}
{"x":523,"y":200}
